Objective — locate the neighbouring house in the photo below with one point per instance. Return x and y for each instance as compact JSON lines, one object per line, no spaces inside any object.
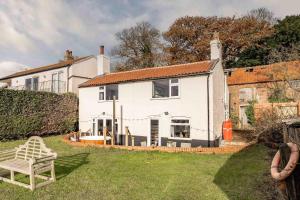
{"x":182,"y":105}
{"x":61,"y":77}
{"x":275,"y":85}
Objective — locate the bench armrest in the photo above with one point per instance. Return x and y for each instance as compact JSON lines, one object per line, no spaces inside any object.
{"x":43,"y":159}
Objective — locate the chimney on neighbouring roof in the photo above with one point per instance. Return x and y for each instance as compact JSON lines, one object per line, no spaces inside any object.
{"x":103,"y":62}
{"x":215,"y":47}
{"x":101,"y":50}
{"x":68,"y":55}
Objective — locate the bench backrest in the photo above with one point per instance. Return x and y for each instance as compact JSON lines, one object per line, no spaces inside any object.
{"x":33,"y":148}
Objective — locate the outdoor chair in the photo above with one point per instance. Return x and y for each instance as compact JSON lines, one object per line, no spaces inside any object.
{"x":32,"y":159}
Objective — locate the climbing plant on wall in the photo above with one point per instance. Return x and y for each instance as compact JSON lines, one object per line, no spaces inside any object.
{"x":26,"y":113}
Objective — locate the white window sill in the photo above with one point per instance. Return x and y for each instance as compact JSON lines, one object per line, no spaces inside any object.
{"x":164,"y":98}
{"x":178,"y":138}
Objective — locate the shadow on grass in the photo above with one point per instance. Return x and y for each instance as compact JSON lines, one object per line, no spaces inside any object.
{"x":66,"y":164}
{"x":244,"y":175}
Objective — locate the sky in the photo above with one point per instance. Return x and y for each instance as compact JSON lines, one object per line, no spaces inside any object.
{"x":37,"y":32}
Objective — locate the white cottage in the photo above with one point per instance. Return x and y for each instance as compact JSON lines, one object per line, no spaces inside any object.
{"x":61,"y":77}
{"x":179,"y":104}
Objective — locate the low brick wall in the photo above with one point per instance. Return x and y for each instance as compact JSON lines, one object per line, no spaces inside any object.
{"x":202,"y":150}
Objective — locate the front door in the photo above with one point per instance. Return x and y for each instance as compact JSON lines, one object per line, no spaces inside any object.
{"x":154,"y":131}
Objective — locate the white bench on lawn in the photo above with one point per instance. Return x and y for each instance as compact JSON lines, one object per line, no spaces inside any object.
{"x":32,"y":159}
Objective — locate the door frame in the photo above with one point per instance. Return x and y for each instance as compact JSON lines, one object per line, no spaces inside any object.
{"x":150,"y":133}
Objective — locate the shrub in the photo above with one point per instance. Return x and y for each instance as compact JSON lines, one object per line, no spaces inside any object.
{"x":250,"y":113}
{"x":26,"y":113}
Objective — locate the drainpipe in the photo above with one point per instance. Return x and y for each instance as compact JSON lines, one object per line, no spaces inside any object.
{"x":208,"y":112}
{"x":68,"y":69}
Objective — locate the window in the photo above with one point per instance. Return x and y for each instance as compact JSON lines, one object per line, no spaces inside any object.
{"x":35,"y":83}
{"x":94,"y":127}
{"x":57,"y":83}
{"x":180,"y":128}
{"x":32,"y":83}
{"x":100,"y":127}
{"x":111,"y":91}
{"x":174,"y":87}
{"x":246,"y":94}
{"x":101,"y":93}
{"x":108,"y":92}
{"x":165,"y":88}
{"x":28,"y":84}
{"x":295,"y":84}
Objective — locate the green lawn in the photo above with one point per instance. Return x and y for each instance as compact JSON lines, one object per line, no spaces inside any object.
{"x":95,"y":173}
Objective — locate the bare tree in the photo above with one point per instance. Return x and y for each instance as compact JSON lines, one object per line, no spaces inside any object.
{"x":139,"y":47}
{"x":262,"y":14}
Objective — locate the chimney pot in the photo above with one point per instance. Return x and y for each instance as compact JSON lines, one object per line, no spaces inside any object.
{"x":101,"y":50}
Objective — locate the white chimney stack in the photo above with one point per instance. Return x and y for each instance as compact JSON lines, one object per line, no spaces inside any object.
{"x":215,"y":47}
{"x":103,"y":62}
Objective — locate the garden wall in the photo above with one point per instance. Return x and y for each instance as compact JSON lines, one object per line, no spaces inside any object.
{"x":27,"y":113}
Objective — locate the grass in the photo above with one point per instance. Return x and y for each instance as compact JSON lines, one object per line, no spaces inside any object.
{"x":95,"y":173}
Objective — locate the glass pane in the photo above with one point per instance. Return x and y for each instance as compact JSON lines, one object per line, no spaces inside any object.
{"x":101,"y":95}
{"x":180,"y":121}
{"x":60,"y":82}
{"x":174,"y":91}
{"x":54,"y":85}
{"x":35,"y":83}
{"x":160,"y":88}
{"x":94,"y":128}
{"x":111,"y":90}
{"x":174,"y":80}
{"x":180,"y":131}
{"x":28,"y":84}
{"x":109,"y":125}
{"x":100,"y":127}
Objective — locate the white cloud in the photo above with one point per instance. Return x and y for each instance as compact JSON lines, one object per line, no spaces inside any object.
{"x":11,"y":37}
{"x":8,"y":67}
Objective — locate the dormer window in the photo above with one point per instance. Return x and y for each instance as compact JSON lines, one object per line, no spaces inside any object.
{"x":249,"y":70}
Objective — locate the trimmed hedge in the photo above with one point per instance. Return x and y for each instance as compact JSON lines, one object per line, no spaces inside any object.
{"x":26,"y":113}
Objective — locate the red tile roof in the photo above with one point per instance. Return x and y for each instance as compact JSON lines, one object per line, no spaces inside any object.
{"x":152,"y":73}
{"x":265,"y":73}
{"x":45,"y":68}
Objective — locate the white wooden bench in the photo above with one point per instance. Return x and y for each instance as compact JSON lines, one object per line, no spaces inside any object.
{"x":33,"y":158}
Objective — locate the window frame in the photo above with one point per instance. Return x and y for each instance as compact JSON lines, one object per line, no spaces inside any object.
{"x":103,"y":89}
{"x":32,"y":86}
{"x":173,"y":85}
{"x":170,"y":85}
{"x":188,"y":123}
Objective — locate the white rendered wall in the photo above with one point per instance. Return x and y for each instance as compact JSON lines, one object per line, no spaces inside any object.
{"x":139,"y":107}
{"x":43,"y":77}
{"x":81,"y":72}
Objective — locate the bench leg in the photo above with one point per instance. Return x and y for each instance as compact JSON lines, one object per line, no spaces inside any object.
{"x":12,"y":175}
{"x":53,"y":172}
{"x":32,"y":181}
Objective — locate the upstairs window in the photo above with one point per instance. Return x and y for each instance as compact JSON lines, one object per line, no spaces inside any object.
{"x":111,"y":91}
{"x":180,"y":128}
{"x":165,"y":88}
{"x":101,"y":93}
{"x":108,"y":92}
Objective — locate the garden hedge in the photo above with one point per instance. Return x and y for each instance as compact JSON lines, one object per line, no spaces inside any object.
{"x":26,"y":113}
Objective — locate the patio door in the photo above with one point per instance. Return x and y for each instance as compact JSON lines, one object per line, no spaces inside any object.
{"x":154,"y":126}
